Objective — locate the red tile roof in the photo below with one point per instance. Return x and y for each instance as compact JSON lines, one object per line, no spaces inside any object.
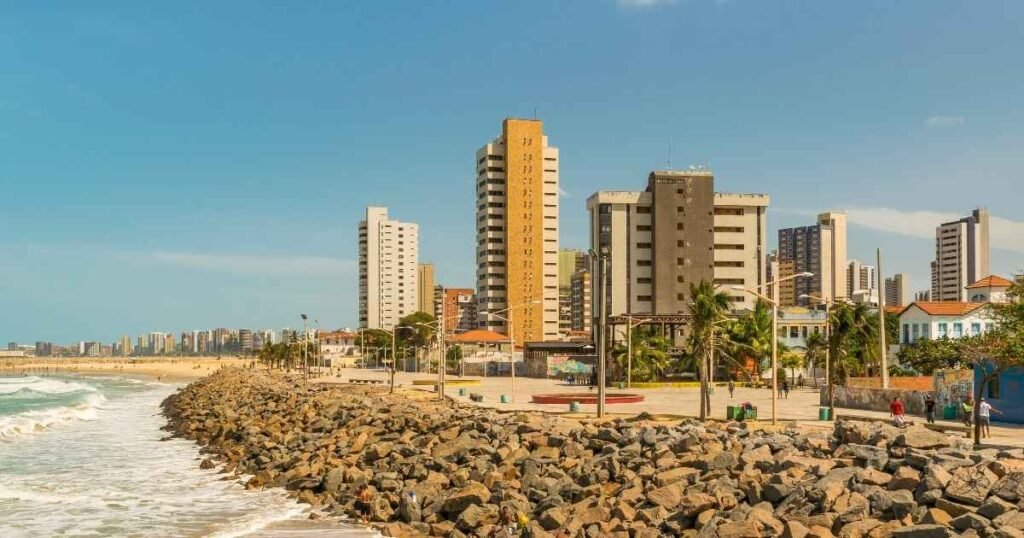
{"x":893,"y":309}
{"x":944,"y":308}
{"x":477,"y":336}
{"x":991,"y":281}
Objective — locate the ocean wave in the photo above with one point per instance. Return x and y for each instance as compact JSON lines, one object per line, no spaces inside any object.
{"x":13,"y":385}
{"x":30,"y":422}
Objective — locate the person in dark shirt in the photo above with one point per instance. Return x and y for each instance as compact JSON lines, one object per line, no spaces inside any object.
{"x":929,"y":408}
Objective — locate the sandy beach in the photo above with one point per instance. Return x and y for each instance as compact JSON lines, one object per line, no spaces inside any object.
{"x":164,"y":368}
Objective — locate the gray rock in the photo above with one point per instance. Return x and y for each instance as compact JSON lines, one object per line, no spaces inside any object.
{"x":970,"y":521}
{"x":994,"y":507}
{"x":970,"y":485}
{"x":922,"y":531}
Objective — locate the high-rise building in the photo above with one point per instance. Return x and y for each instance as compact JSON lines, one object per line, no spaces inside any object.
{"x":45,"y":349}
{"x":517,"y":232}
{"x":458,"y":308}
{"x":961,"y":256}
{"x":126,"y":345}
{"x":245,"y":340}
{"x":580,"y":304}
{"x":860,"y":277}
{"x":897,"y":290}
{"x":675,"y":233}
{"x":819,"y":249}
{"x":425,"y":293}
{"x":923,"y":296}
{"x":569,"y":262}
{"x":787,"y":285}
{"x":388,"y":269}
{"x":169,"y":346}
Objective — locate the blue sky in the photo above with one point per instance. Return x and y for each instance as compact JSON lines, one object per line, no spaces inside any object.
{"x":205,"y":164}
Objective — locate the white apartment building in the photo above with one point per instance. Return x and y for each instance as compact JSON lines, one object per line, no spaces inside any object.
{"x":624,"y":222}
{"x":897,"y":290}
{"x":961,"y":256}
{"x":860,"y":277}
{"x":517,"y":232}
{"x":388,"y":269}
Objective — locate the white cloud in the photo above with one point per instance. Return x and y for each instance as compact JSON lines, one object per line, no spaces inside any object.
{"x":1003,"y":233}
{"x":280,"y":265}
{"x":562,"y":193}
{"x":645,"y":3}
{"x":944,"y":121}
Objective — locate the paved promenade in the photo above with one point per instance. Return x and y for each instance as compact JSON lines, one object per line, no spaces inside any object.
{"x":801,"y":405}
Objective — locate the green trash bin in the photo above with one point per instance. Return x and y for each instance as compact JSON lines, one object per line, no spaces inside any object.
{"x":462,"y":392}
{"x":824,"y":413}
{"x":574,"y":407}
{"x":734,"y":412}
{"x":751,"y":414}
{"x":504,"y":399}
{"x":949,"y":412}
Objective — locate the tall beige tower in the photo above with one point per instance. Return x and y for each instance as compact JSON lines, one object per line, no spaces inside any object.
{"x":961,"y":256}
{"x":388,"y":269}
{"x":425,"y":294}
{"x":517,"y":231}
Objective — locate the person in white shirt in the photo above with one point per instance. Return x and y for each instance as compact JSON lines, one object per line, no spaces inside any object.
{"x":985,"y":410}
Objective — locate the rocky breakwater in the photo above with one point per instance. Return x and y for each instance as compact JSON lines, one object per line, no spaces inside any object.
{"x":449,"y":470}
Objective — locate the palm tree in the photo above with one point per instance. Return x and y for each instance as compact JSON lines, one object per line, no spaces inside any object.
{"x":852,"y":343}
{"x":753,"y":335}
{"x":708,"y":306}
{"x":650,"y":355}
{"x":815,"y":355}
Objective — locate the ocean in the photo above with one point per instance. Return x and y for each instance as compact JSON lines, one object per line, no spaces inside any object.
{"x":84,"y":456}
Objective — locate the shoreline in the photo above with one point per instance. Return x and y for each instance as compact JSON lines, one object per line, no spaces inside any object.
{"x":171,"y":369}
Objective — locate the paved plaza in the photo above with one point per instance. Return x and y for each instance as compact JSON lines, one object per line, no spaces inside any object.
{"x":802,"y":404}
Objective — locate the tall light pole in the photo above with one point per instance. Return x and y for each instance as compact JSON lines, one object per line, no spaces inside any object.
{"x":305,"y":346}
{"x":511,"y":336}
{"x":775,"y":334}
{"x":602,"y":326}
{"x":881,"y":320}
{"x":629,"y":347}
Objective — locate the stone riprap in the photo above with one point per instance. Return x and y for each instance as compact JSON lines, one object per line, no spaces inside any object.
{"x":442,"y":469}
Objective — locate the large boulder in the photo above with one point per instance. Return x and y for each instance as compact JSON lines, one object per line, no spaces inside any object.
{"x":922,"y":531}
{"x":1010,"y":487}
{"x":971,"y":485}
{"x":462,"y":498}
{"x":922,"y":438}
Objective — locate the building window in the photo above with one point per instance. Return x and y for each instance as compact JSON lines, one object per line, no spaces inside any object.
{"x":729,"y":229}
{"x":916,"y":331}
{"x":993,"y":388}
{"x":943,"y":330}
{"x":728,"y":246}
{"x":643,"y":228}
{"x":975,"y":329}
{"x":643,"y":210}
{"x":643,"y":263}
{"x":906,"y":333}
{"x":643,"y":245}
{"x":679,"y":225}
{"x":643,"y":280}
{"x":958,"y":330}
{"x":926,"y":329}
{"x":643,"y":298}
{"x":729,"y":211}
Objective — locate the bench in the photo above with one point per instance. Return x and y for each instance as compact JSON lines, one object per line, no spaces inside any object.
{"x":366,"y":381}
{"x":476,"y":397}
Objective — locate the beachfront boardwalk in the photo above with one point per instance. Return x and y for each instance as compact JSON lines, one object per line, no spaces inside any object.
{"x":802,"y":404}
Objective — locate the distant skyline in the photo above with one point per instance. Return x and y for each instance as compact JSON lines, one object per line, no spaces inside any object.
{"x":205,"y":165}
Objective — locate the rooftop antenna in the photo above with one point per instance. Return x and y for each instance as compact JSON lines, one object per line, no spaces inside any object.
{"x":534,"y":112}
{"x":670,"y":153}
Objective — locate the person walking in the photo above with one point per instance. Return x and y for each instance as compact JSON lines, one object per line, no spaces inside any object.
{"x":929,"y":408}
{"x":785,"y":389}
{"x":897,"y":412}
{"x":967,"y":408}
{"x":985,"y":411}
{"x":732,"y":388}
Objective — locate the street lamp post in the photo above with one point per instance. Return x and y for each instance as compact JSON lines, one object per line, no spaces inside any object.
{"x":305,"y":347}
{"x":511,"y":337}
{"x":774,"y":301}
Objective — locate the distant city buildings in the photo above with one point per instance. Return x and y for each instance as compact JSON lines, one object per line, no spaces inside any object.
{"x":675,"y":233}
{"x":580,"y":309}
{"x":897,"y":290}
{"x":517,"y":232}
{"x":570,"y":261}
{"x":425,"y":291}
{"x":961,"y":256}
{"x":860,"y":277}
{"x":819,"y":249}
{"x":458,"y":308}
{"x":388,"y":269}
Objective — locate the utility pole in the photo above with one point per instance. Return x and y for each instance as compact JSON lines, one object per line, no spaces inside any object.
{"x":881,"y":320}
{"x":603,"y":344}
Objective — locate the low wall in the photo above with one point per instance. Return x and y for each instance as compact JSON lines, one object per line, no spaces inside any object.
{"x":925,"y":382}
{"x":873,"y":399}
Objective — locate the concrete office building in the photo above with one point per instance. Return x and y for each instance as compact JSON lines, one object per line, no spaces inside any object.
{"x":897,"y":290}
{"x":569,"y":262}
{"x":581,"y":312}
{"x":388,"y":269}
{"x":961,"y":256}
{"x":425,"y":294}
{"x":517,"y":231}
{"x":860,"y":277}
{"x":675,"y":233}
{"x":819,"y":249}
